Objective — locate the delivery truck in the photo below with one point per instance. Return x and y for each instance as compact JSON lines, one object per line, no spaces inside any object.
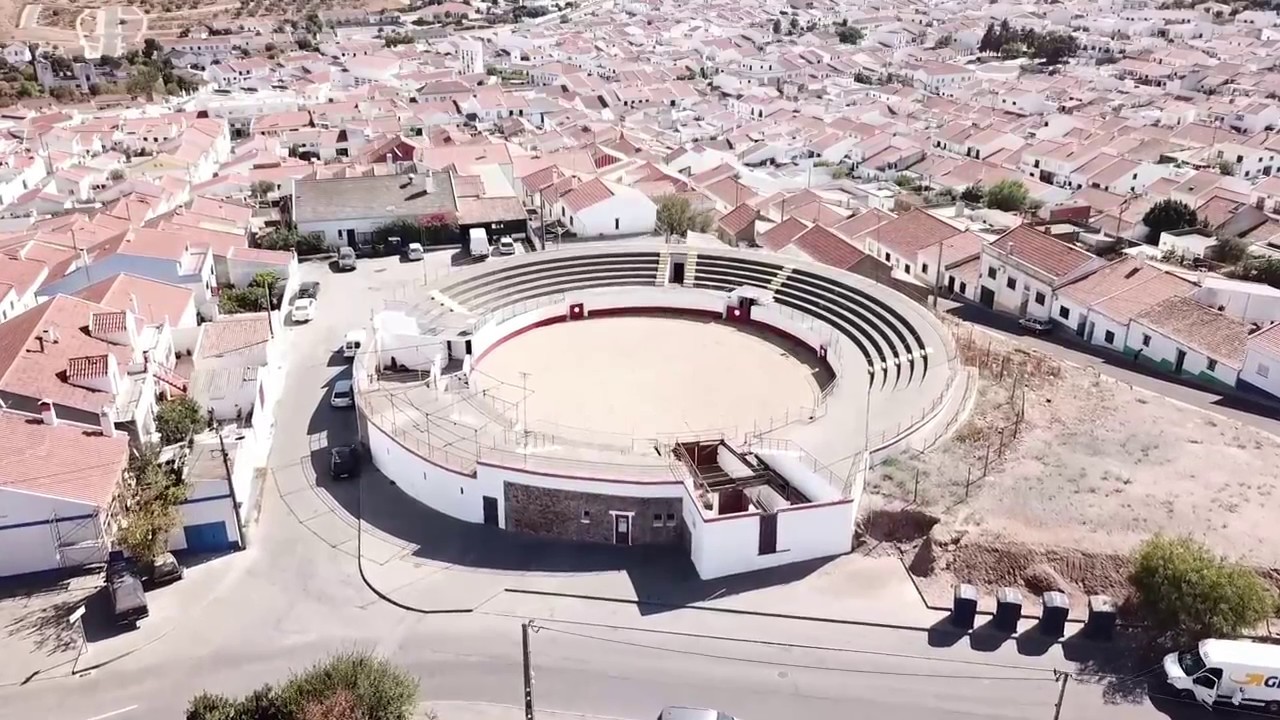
{"x":1239,"y":672}
{"x":479,"y":243}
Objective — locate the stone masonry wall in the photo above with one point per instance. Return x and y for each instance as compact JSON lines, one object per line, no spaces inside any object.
{"x":560,"y":513}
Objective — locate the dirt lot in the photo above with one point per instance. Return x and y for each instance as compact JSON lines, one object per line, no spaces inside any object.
{"x":1080,"y":470}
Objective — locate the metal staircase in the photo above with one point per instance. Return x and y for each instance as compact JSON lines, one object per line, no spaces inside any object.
{"x":664,"y":269}
{"x":690,"y":268}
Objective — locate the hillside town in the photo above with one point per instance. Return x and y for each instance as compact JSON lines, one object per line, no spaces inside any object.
{"x":1097,"y":176}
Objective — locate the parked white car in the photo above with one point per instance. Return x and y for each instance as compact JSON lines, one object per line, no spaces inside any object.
{"x":304,"y":310}
{"x":342,"y":395}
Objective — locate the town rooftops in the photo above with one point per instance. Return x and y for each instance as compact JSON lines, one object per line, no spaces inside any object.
{"x":1055,"y":259}
{"x":235,"y":334}
{"x":69,"y":461}
{"x":1200,"y":328}
{"x":371,"y":198}
{"x":154,"y":301}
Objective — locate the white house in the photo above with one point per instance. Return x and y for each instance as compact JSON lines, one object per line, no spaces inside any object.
{"x":58,"y":498}
{"x":597,"y":208}
{"x":1099,"y":306}
{"x":1021,"y":269}
{"x":1262,"y":360}
{"x":1187,"y":243}
{"x":1181,"y":336}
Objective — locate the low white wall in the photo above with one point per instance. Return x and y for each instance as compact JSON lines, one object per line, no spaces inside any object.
{"x":454,"y":494}
{"x":654,"y":297}
{"x":413,"y":351}
{"x":730,"y":546}
{"x":499,"y":475}
{"x":776,"y":319}
{"x":208,"y":501}
{"x":492,"y":333}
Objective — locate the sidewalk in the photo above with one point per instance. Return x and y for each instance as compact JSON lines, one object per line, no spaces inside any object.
{"x":450,"y":710}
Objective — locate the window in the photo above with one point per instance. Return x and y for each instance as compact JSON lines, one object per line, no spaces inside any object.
{"x":1146,"y":340}
{"x":617,"y":224}
{"x":671,"y":519}
{"x":924,"y":268}
{"x":1039,"y":298}
{"x":1263,"y":370}
{"x":586,"y":516}
{"x":1011,"y":282}
{"x":1064,"y":312}
{"x":907,"y":268}
{"x":886,"y":257}
{"x":657,"y":519}
{"x":1212,"y":365}
{"x":1109,"y":337}
{"x":963,"y":290}
{"x":991,"y":272}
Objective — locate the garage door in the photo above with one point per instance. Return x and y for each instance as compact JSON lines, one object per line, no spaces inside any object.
{"x":207,"y":537}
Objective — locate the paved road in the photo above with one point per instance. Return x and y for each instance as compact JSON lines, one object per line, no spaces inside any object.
{"x":297,"y":598}
{"x":1120,"y":368}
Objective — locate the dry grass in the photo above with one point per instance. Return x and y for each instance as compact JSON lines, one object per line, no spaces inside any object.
{"x":1096,"y":467}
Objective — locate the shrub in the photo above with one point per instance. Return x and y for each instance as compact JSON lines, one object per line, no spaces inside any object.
{"x":1187,"y":592}
{"x":1008,"y":195}
{"x":178,"y":419}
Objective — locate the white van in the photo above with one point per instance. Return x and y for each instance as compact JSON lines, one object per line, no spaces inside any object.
{"x":352,"y":343}
{"x":1234,"y":671}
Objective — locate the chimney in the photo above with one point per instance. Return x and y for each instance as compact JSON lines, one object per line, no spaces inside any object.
{"x":47,"y":413}
{"x":391,"y":166}
{"x":429,"y":181}
{"x":106,"y":423}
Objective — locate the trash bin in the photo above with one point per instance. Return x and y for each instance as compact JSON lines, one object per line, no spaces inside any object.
{"x":1053,"y":616}
{"x":1101,"y":624}
{"x":964,"y":606}
{"x":1008,"y":610}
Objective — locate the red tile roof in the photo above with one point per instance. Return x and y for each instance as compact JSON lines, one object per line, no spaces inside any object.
{"x":88,"y":367}
{"x":1267,"y":340}
{"x":861,"y":223}
{"x":824,"y":246}
{"x":781,"y":235}
{"x":1200,"y":328}
{"x":234,"y":334}
{"x":32,"y":369}
{"x":68,"y":461}
{"x":1041,"y":252}
{"x":737,"y":219}
{"x":908,"y":234}
{"x":587,"y":194}
{"x":155,"y":300}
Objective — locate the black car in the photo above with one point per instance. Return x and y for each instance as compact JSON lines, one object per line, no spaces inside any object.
{"x":163,"y":570}
{"x":309,"y":289}
{"x":344,"y":462}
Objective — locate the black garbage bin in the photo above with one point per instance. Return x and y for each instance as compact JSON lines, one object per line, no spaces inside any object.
{"x":1053,"y":616}
{"x":1101,"y":623}
{"x":1008,"y":610}
{"x":964,"y":606}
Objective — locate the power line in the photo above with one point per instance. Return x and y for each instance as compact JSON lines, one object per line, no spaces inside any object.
{"x":802,"y":666}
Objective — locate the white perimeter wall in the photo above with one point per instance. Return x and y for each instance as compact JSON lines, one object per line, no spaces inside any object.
{"x":208,"y":501}
{"x":26,"y":534}
{"x":730,"y":546}
{"x":673,"y":297}
{"x":492,"y":333}
{"x":640,"y":489}
{"x":455,"y":494}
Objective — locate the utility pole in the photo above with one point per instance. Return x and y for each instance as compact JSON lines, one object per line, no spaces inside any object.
{"x":525,"y":629}
{"x":524,"y":406}
{"x":231,"y":490}
{"x":266,"y":287}
{"x":1062,"y":690}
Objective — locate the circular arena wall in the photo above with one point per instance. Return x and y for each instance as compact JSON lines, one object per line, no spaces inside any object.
{"x":466,"y":445}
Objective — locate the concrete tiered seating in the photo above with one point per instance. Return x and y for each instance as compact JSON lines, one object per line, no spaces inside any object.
{"x":551,"y":274}
{"x":884,"y":337}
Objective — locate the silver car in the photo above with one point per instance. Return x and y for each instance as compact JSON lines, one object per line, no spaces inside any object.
{"x":675,"y":712}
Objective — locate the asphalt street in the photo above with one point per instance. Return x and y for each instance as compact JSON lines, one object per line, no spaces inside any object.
{"x":299,"y":598}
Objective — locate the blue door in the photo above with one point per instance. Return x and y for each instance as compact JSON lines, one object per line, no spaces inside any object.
{"x":207,"y":537}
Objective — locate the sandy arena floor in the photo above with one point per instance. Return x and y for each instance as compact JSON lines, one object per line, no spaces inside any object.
{"x":649,"y":376}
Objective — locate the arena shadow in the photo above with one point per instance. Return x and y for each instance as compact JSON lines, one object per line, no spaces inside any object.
{"x":662,"y":578}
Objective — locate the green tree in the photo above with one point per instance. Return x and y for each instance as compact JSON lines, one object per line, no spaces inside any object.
{"x":143,"y":81}
{"x":677,"y":216}
{"x":262,"y":188}
{"x":117,"y":174}
{"x":151,"y":48}
{"x":850,"y":35}
{"x":973,"y":194}
{"x":839,"y":172}
{"x":777,"y":26}
{"x":153,"y":492}
{"x":179,"y":418}
{"x":1053,"y":47}
{"x":1007,"y":195}
{"x":1168,"y":215}
{"x":1188,"y":593}
{"x":794,"y":25}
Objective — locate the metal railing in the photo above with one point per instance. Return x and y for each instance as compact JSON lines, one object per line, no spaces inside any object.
{"x":840,"y":484}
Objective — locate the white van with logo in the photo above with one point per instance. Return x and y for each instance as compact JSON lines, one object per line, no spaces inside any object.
{"x":1235,"y":671}
{"x":352,"y":343}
